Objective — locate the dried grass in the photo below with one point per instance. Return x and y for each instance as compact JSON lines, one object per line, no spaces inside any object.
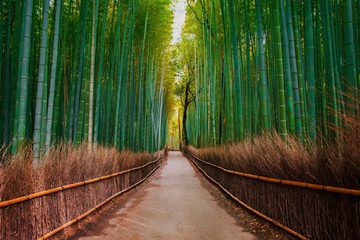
{"x":63,"y":165}
{"x":318,"y":215}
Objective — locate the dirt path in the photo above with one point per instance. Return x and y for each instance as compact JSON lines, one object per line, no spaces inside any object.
{"x":173,"y":204}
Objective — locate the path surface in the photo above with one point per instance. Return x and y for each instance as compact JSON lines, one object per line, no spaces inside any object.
{"x":173,"y":204}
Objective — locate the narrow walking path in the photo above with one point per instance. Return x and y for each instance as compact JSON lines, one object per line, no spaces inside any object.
{"x":173,"y":204}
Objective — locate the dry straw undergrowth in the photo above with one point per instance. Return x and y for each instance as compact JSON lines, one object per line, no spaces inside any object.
{"x":318,"y":215}
{"x":271,"y":156}
{"x":64,"y":165}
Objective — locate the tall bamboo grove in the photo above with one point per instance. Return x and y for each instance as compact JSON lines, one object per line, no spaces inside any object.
{"x":83,"y":71}
{"x":279,"y":65}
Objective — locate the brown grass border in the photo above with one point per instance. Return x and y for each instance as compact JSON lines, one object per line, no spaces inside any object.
{"x":256,"y":212}
{"x":315,"y":213}
{"x":87,"y":213}
{"x":89,"y":178}
{"x":332,"y":189}
{"x":70,"y":186}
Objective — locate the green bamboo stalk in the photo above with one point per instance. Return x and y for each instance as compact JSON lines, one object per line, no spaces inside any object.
{"x":350,"y":66}
{"x":92,"y":72}
{"x":264,"y":90}
{"x":100,"y":75}
{"x":287,"y":71}
{"x":83,"y":15}
{"x":309,"y":68}
{"x":20,"y":125}
{"x":228,"y":91}
{"x":141,"y":84}
{"x":282,"y":126}
{"x":54,"y":62}
{"x":237,"y":80}
{"x":117,"y":134}
{"x":300,"y":68}
{"x":331,"y":84}
{"x":40,"y":82}
{"x":294,"y":74}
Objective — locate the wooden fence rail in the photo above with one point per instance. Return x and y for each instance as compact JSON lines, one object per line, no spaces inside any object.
{"x":256,"y":212}
{"x":87,"y":213}
{"x":304,"y":210}
{"x":69,"y":186}
{"x":332,"y":189}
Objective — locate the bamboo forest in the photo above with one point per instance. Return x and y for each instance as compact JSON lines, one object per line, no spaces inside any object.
{"x":213,"y":119}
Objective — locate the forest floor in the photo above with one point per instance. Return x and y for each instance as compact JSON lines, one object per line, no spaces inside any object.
{"x":177,"y":202}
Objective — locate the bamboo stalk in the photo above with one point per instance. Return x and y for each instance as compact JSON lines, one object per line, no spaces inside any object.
{"x":332,"y":189}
